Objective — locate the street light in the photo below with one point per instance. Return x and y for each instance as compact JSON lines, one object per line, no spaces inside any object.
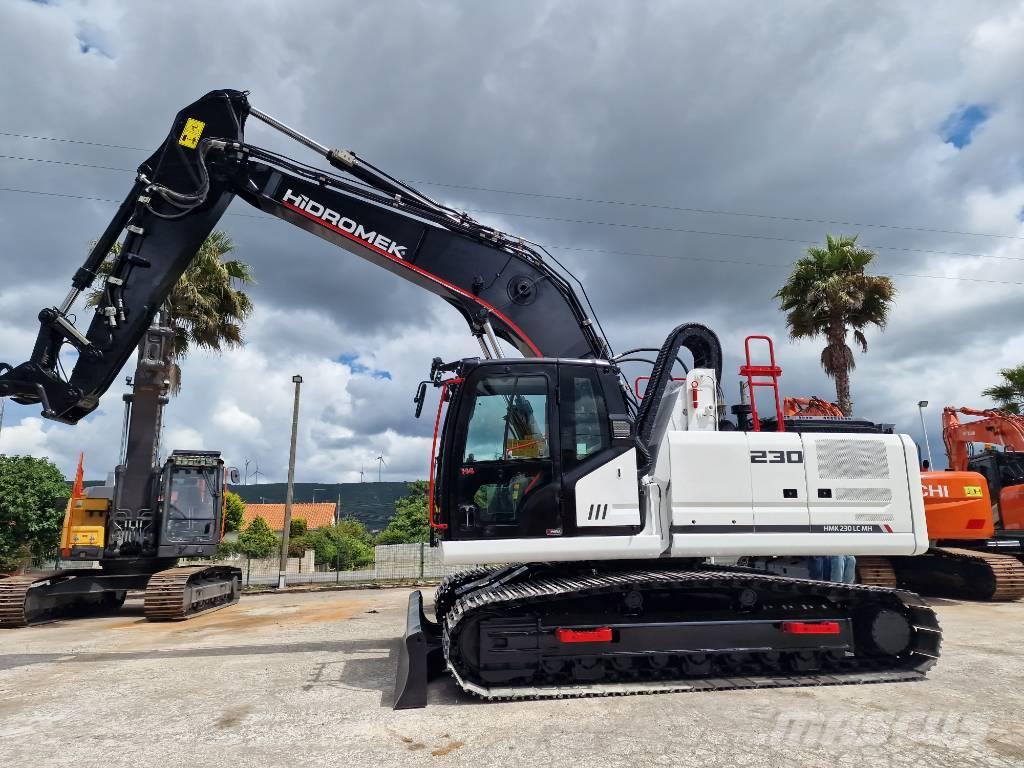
{"x":921,"y":405}
{"x":289,"y":497}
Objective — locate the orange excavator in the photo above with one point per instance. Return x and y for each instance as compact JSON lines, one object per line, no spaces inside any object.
{"x":975,"y":510}
{"x":1003,"y":470}
{"x":810,"y":406}
{"x":975,"y":514}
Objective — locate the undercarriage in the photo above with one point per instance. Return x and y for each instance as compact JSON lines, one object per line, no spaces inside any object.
{"x":175,"y":593}
{"x":961,"y":572}
{"x":569,"y":630}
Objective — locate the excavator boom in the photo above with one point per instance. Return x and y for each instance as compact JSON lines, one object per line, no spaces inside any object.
{"x":501,"y":285}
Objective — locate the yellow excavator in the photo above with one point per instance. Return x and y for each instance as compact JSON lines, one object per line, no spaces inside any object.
{"x":129,"y":533}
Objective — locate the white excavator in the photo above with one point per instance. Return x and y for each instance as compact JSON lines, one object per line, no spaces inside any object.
{"x":598,"y":508}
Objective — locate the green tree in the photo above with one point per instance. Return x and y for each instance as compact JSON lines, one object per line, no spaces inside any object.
{"x":409,"y":523}
{"x":227,"y":548}
{"x":207,"y":307}
{"x":257,"y":540}
{"x":234,"y":511}
{"x":31,"y":514}
{"x":297,"y":545}
{"x":829,"y":294}
{"x":346,"y":545}
{"x":349,"y":526}
{"x":1009,"y":393}
{"x":297,"y":528}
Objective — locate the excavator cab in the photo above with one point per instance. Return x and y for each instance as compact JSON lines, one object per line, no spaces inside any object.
{"x":517,"y":436}
{"x":1004,"y":472}
{"x":191,"y":503}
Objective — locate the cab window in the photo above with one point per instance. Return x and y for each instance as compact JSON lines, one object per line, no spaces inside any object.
{"x":589,"y":419}
{"x":509,"y":420}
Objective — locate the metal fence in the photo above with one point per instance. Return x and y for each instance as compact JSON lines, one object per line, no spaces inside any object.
{"x":393,"y":564}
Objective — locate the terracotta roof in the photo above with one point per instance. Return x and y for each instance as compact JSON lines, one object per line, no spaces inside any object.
{"x":319,"y":515}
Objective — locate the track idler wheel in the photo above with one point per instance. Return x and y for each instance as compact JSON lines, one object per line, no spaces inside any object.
{"x":884,"y":632}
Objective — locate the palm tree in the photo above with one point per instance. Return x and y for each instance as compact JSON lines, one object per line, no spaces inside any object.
{"x":1009,"y":393}
{"x":207,"y":307}
{"x":829,"y":294}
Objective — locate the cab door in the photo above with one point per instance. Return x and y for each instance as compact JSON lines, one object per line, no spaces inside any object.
{"x":502,"y":473}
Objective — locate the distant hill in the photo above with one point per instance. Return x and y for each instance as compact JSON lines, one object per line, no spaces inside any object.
{"x":371,"y":503}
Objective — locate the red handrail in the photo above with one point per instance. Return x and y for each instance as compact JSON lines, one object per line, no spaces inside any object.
{"x":445,"y":390}
{"x":771,"y":372}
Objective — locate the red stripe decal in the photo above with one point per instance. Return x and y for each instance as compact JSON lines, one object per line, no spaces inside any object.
{"x":888,"y":528}
{"x":518,"y":331}
{"x":810,"y":627}
{"x":599,"y":635}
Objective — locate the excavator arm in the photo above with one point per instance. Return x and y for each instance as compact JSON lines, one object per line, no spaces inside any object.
{"x":503,"y":286}
{"x":992,"y":426}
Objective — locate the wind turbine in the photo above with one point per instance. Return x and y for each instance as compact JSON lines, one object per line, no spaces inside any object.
{"x":380,"y":466}
{"x":361,"y":474}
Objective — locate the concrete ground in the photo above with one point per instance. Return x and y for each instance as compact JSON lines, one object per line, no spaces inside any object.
{"x":306,"y":679}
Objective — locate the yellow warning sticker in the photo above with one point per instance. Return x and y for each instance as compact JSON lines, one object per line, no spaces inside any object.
{"x":972,"y":490}
{"x":191,"y":132}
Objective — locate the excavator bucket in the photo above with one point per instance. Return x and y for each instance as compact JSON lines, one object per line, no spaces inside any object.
{"x":420,"y":658}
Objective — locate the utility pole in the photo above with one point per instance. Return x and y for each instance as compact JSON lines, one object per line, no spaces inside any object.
{"x":282,"y":575}
{"x":921,"y":405}
{"x":3,"y":402}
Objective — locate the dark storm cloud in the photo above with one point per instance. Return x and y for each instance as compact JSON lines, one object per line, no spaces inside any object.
{"x":824,"y":111}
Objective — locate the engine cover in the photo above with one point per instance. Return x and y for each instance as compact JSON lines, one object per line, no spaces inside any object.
{"x":751,"y":493}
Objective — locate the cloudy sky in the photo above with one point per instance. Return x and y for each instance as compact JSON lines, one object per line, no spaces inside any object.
{"x":721,"y":138}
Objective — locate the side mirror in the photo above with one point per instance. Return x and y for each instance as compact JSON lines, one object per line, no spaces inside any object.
{"x":233,"y":477}
{"x":421,"y":395}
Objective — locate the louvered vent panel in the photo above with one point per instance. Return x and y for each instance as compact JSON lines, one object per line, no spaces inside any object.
{"x":877,"y":495}
{"x":840,"y":459}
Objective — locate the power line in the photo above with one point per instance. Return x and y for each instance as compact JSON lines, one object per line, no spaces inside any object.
{"x":713,"y":212}
{"x":624,"y":225}
{"x":674,"y":257}
{"x":65,"y":162}
{"x":623,"y":203}
{"x":71,"y":141}
{"x":103,"y":200}
{"x":733,"y":234}
{"x":767,"y":264}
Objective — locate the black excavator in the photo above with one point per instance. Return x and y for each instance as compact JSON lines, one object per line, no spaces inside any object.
{"x":604,"y":505}
{"x":131,"y":531}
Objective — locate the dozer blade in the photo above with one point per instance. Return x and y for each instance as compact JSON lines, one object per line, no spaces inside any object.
{"x":420,"y":658}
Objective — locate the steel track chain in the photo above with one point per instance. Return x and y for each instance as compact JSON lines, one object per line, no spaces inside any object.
{"x":876,"y":571}
{"x":164,"y":598}
{"x":1007,"y":571}
{"x":923,"y":653}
